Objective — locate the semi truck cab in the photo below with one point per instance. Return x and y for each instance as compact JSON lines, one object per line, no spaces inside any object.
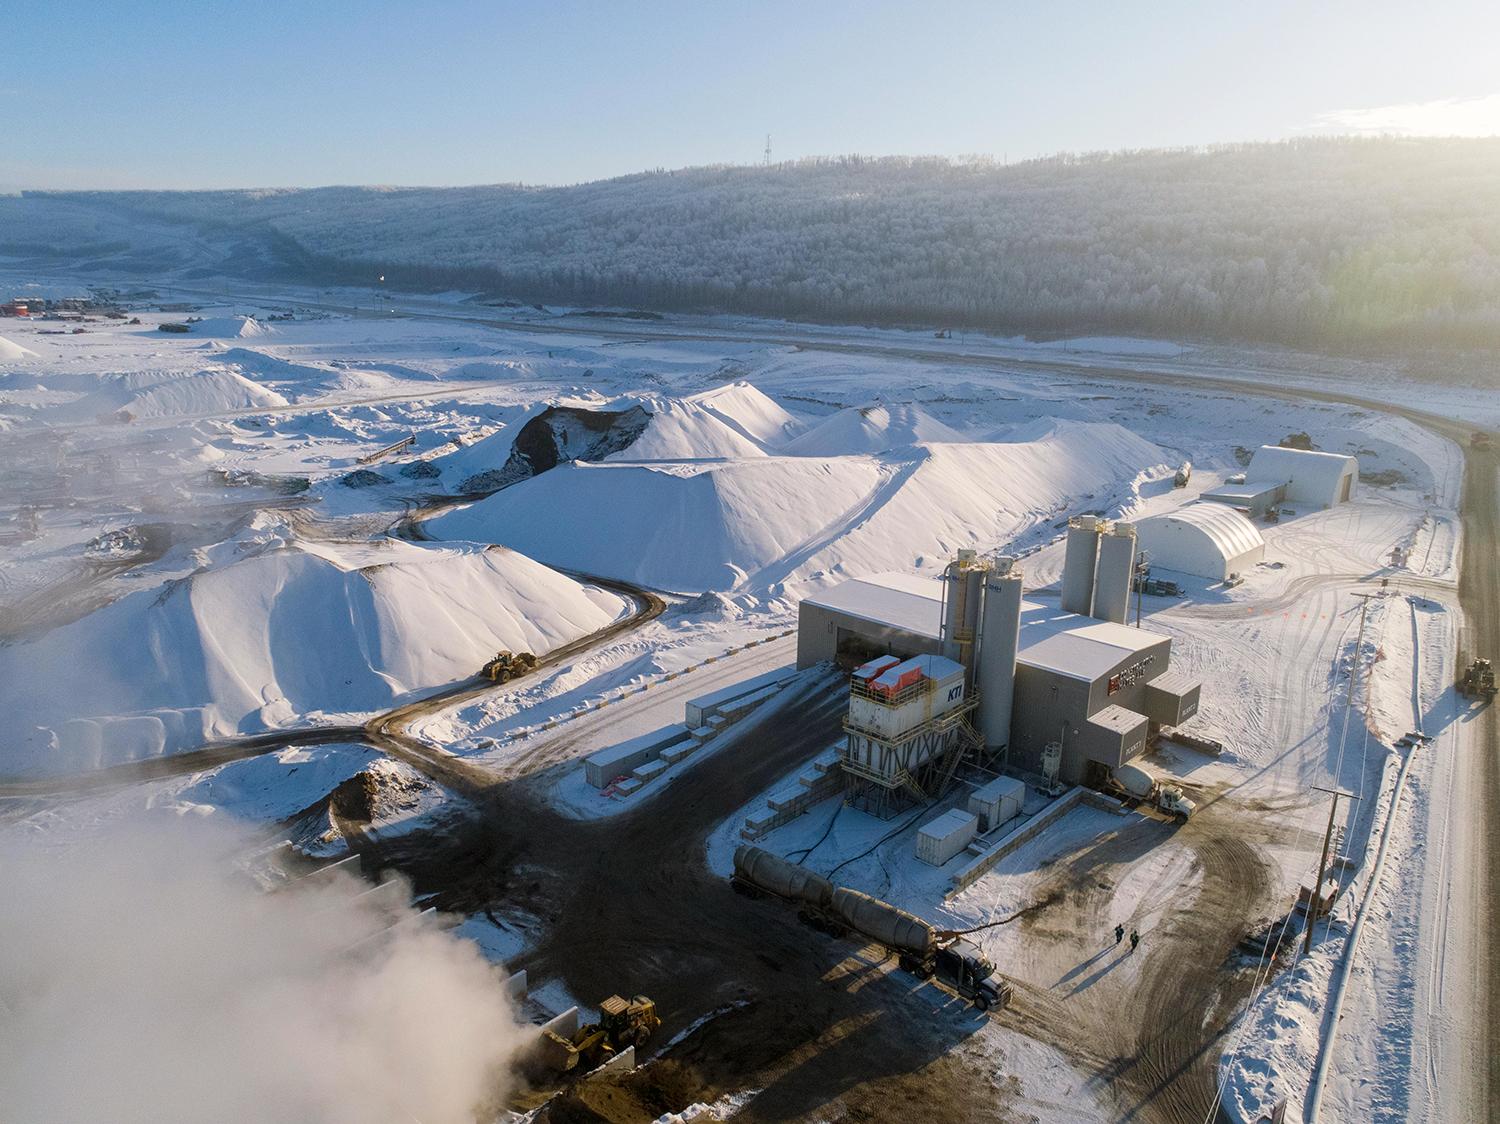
{"x":968,"y":971}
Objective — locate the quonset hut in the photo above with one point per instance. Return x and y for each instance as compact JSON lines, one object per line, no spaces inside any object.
{"x":1208,"y":540}
{"x":1280,"y":475}
{"x":1042,"y":688}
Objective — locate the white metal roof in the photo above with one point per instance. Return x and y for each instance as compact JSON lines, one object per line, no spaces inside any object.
{"x":1077,"y":646}
{"x":1177,"y":683}
{"x":904,"y":601}
{"x":1116,"y":719}
{"x":999,"y":787}
{"x":1241,"y":492}
{"x":1178,"y":539}
{"x":1273,"y":464}
{"x":936,"y":668}
{"x":951,"y":821}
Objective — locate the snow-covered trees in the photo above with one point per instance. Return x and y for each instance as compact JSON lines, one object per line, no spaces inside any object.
{"x":1310,"y":241}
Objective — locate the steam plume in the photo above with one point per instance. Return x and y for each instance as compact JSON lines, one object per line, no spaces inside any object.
{"x":144,"y":979}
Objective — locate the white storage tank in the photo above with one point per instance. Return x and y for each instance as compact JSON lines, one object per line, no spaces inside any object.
{"x":997,"y":802}
{"x":1113,"y":572}
{"x":940,"y":839}
{"x":1078,"y":564}
{"x":999,"y":637}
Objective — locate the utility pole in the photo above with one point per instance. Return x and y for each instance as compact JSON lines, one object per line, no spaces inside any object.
{"x":1142,"y":568}
{"x":1317,"y":888}
{"x":1359,"y":643}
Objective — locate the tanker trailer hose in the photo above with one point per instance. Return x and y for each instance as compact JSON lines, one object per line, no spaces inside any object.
{"x":1040,"y":904}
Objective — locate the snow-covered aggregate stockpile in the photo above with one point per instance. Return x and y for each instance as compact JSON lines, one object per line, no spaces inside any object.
{"x":871,"y":429}
{"x":10,"y":350}
{"x":297,"y":630}
{"x":759,"y":524}
{"x":725,"y":423}
{"x":214,"y":390}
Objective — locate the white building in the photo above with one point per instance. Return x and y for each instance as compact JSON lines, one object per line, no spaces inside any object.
{"x":1319,"y":479}
{"x":1208,"y":540}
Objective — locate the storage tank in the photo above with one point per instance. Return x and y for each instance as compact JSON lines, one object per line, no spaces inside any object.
{"x":1078,"y":564}
{"x":881,"y":921}
{"x":964,"y":580}
{"x":1113,"y":572}
{"x":999,"y":637}
{"x":766,"y":871}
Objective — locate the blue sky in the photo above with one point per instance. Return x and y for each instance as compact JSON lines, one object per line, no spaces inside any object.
{"x":220,"y":94}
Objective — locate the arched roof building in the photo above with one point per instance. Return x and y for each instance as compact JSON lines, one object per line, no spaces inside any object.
{"x":1209,"y":540}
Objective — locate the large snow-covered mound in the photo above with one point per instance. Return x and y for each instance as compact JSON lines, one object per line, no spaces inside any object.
{"x":727,"y":422}
{"x":871,"y":429}
{"x":229,"y":327}
{"x":9,"y":349}
{"x":214,"y":390}
{"x":287,"y":633}
{"x":770,"y":524}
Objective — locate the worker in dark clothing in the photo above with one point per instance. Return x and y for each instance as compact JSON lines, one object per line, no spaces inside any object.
{"x":1119,"y":933}
{"x":1135,"y":939}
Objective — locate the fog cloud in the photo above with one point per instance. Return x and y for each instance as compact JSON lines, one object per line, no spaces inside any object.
{"x":144,"y":978}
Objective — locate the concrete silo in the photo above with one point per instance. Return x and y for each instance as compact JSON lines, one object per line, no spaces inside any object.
{"x":1079,"y":563}
{"x":999,"y":638}
{"x":963,"y":593}
{"x":1113,"y":572}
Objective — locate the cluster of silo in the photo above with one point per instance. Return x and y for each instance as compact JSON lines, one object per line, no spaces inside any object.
{"x":1097,"y":568}
{"x":981,"y":630}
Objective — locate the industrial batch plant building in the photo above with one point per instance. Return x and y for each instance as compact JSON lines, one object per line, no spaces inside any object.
{"x":1037,"y":675}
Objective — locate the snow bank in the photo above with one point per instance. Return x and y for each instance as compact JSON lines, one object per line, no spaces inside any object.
{"x":12,"y":350}
{"x":286,"y":633}
{"x":765,"y":523}
{"x":871,"y":429}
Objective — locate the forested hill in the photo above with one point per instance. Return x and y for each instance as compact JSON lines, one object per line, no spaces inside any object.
{"x":1314,"y":242}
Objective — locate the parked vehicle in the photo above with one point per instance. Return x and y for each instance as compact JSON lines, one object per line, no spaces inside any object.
{"x":1135,"y":782}
{"x":1478,"y":680}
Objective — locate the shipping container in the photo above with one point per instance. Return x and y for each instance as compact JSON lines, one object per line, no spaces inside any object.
{"x":940,"y":839}
{"x":997,"y":802}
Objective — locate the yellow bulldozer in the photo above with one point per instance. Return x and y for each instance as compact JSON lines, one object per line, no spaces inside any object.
{"x":622,"y":1024}
{"x":507,"y":666}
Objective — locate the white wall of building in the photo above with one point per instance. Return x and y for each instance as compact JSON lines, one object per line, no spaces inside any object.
{"x":1322,"y":479}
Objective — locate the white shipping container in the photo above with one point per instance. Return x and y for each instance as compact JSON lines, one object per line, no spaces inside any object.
{"x":940,"y":839}
{"x":997,"y":802}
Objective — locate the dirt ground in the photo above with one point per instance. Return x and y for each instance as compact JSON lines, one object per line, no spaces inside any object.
{"x":817,"y":1026}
